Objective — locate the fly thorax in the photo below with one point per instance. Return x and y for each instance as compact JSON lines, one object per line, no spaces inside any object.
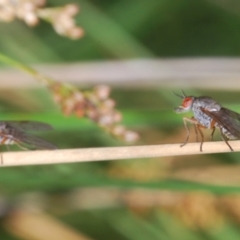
{"x":208,"y":104}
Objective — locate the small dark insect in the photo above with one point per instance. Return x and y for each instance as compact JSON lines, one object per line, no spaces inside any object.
{"x":15,"y":132}
{"x":207,"y":113}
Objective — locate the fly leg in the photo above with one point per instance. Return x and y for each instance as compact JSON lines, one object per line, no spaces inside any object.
{"x":196,"y":132}
{"x":202,"y":137}
{"x":185,"y":121}
{"x":225,"y":139}
{"x":3,"y":139}
{"x":20,"y":146}
{"x":212,"y":133}
{"x":197,"y":127}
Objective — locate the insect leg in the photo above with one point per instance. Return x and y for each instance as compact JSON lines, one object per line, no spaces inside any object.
{"x":202,"y":137}
{"x":225,"y":139}
{"x":185,"y":121}
{"x":212,"y":133}
{"x":20,"y":146}
{"x":196,"y":132}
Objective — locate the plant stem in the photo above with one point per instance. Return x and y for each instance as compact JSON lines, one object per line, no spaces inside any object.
{"x":111,"y":153}
{"x":24,"y":68}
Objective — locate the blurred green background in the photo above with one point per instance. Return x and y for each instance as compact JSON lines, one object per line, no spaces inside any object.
{"x":190,"y":197}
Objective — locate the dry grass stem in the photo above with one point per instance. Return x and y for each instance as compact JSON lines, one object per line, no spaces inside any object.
{"x":111,"y":153}
{"x":175,"y":73}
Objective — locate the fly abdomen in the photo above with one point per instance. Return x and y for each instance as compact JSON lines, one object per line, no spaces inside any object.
{"x":228,"y":134}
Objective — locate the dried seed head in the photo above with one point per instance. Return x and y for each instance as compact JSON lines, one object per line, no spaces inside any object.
{"x":76,"y":32}
{"x":31,"y":19}
{"x":106,"y":120}
{"x":130,"y":136}
{"x":102,"y":92}
{"x":118,"y":130}
{"x":30,"y":11}
{"x":78,"y":96}
{"x":93,"y":104}
{"x":71,"y":9}
{"x":117,"y":117}
{"x":7,"y":13}
{"x":109,"y":103}
{"x":92,"y":114}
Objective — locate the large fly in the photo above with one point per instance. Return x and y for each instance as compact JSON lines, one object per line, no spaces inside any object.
{"x":208,"y":113}
{"x":16,"y":132}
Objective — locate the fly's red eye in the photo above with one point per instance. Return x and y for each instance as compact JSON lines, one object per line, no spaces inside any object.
{"x":187,"y":102}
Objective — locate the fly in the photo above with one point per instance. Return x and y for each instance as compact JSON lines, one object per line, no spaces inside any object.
{"x":209,"y":114}
{"x":15,"y":132}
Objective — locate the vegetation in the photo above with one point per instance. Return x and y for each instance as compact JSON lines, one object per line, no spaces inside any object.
{"x":187,"y":197}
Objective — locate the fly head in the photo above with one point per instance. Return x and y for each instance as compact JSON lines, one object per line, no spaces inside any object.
{"x":187,"y":102}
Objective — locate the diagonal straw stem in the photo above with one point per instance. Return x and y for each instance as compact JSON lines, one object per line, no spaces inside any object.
{"x":24,"y":68}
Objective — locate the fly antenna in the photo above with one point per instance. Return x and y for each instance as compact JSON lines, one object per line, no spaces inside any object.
{"x":178,"y":95}
{"x":184,"y":93}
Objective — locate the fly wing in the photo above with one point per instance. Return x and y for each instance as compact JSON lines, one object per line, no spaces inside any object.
{"x":33,"y":141}
{"x":28,"y":125}
{"x":226,"y":118}
{"x":15,"y":130}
